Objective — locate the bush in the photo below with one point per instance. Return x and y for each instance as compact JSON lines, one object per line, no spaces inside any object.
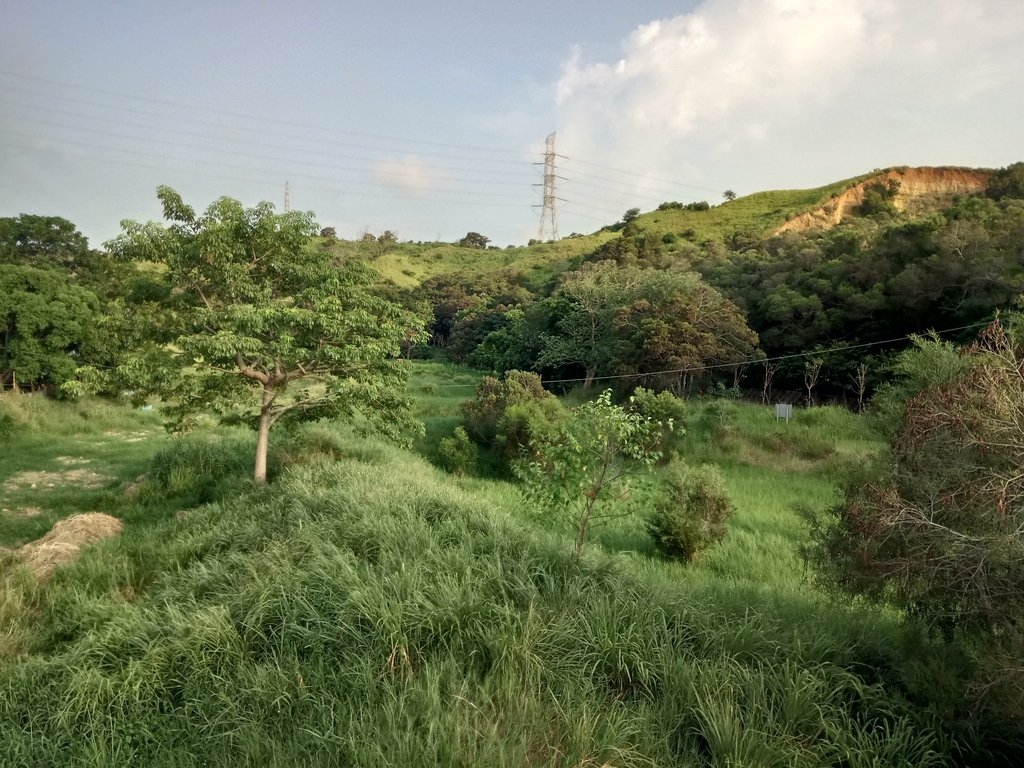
{"x":929,"y":363}
{"x":7,"y":425}
{"x":482,"y":415}
{"x":523,"y":424}
{"x":457,"y":453}
{"x":937,"y":528}
{"x":665,"y":409}
{"x":691,"y":513}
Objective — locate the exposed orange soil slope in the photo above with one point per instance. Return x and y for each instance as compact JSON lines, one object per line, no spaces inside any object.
{"x":920,"y":189}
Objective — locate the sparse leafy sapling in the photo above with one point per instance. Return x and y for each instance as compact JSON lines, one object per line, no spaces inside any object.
{"x":264,"y":327}
{"x":577,"y":469}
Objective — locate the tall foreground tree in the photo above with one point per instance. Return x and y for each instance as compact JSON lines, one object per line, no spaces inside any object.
{"x":262,"y":326}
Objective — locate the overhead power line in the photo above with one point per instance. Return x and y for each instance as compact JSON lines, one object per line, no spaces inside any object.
{"x":261,"y":119}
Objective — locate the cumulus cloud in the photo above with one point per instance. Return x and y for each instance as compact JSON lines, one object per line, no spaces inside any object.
{"x":801,"y":92}
{"x":407,"y":174}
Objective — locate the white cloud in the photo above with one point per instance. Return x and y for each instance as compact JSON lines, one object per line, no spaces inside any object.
{"x":408,"y":174}
{"x":796,"y":92}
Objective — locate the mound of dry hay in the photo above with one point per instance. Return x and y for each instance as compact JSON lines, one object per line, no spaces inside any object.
{"x":62,"y":544}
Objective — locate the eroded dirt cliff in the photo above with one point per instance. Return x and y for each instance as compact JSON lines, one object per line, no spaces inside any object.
{"x":920,"y":189}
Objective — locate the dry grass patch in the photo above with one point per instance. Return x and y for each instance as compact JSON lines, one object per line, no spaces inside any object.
{"x":66,"y":539}
{"x":128,"y":437}
{"x":71,"y":461}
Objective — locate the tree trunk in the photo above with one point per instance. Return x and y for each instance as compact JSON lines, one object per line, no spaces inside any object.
{"x":263,"y":439}
{"x":581,"y":530}
{"x":589,"y":380}
{"x":581,"y":540}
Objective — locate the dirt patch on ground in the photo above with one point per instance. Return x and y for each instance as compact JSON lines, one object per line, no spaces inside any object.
{"x":128,"y":437}
{"x":64,"y":541}
{"x":23,"y":511}
{"x":71,"y":461}
{"x":83,"y":478}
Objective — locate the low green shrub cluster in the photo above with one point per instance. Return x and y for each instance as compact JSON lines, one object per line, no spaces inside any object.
{"x":667,"y":410}
{"x":691,"y":513}
{"x":508,"y":413}
{"x":457,"y":453}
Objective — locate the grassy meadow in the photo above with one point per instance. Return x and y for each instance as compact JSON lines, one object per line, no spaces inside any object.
{"x":368,"y":609}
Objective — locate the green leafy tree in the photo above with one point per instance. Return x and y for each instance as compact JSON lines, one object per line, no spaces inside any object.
{"x":729,"y":195}
{"x":674,"y":320}
{"x":51,"y":242}
{"x":578,"y":467}
{"x":474,"y":240}
{"x":589,"y":299}
{"x":41,"y":240}
{"x":1007,"y":182}
{"x":47,"y":324}
{"x":265,"y":327}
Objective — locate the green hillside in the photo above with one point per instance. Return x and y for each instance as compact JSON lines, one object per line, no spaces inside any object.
{"x":409,"y":264}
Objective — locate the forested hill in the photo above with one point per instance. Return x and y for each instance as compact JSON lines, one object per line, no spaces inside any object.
{"x":674,"y":226}
{"x":834,"y":278}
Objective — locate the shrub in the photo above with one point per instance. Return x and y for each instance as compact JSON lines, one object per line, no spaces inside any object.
{"x":691,"y":513}
{"x":937,"y":528}
{"x":457,"y":453}
{"x":482,"y":415}
{"x":7,"y":425}
{"x":523,"y":424}
{"x":667,"y":410}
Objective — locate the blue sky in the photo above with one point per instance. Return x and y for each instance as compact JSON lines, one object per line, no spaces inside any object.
{"x":428,"y":118}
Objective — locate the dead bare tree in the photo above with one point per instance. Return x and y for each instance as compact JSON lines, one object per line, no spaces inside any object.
{"x":770,"y":369}
{"x":812,"y":372}
{"x":860,"y":382}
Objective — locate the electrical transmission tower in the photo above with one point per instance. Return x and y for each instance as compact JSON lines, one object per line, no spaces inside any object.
{"x":548,"y":217}
{"x":287,"y":198}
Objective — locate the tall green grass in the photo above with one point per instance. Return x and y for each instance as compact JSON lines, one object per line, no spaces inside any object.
{"x":369,"y":610}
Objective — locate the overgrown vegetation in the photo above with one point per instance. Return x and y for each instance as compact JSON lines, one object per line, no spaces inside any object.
{"x":369,"y":610}
{"x":937,"y":526}
{"x":519,"y":602}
